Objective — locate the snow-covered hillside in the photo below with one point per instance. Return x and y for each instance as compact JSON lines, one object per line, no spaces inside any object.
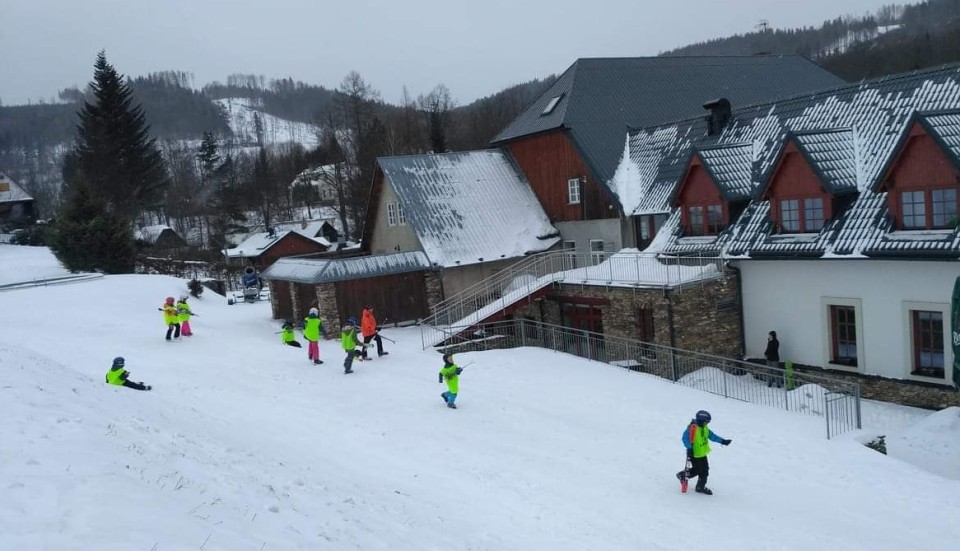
{"x":245,"y":445}
{"x":276,"y":131}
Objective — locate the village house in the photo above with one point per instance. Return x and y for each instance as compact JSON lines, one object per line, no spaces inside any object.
{"x":839,"y":209}
{"x":453,"y":219}
{"x":262,"y":249}
{"x":16,"y":205}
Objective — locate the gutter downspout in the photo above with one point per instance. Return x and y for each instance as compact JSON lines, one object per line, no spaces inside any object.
{"x":743,"y":334}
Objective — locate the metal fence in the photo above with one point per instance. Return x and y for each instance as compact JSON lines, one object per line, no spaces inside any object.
{"x":836,"y":400}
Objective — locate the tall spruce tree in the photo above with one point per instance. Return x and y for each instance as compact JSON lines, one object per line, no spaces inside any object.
{"x":115,"y":156}
{"x":113,"y":172}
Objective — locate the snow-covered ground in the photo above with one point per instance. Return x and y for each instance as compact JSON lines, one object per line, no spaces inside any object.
{"x":245,"y":445}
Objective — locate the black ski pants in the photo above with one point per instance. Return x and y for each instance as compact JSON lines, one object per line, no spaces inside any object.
{"x":699,"y":467}
{"x":134,"y":385}
{"x":376,"y":338}
{"x":173,"y":328}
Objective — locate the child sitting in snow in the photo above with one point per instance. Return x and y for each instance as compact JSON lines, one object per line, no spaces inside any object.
{"x":287,"y":335}
{"x":118,"y":375}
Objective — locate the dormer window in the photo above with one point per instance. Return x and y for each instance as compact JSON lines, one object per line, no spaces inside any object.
{"x":941,"y":213}
{"x":921,"y":177}
{"x":801,"y":215}
{"x":705,"y":219}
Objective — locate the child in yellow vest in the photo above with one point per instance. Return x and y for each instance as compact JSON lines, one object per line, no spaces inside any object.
{"x":172,"y":318}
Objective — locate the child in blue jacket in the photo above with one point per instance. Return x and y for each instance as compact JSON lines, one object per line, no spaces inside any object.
{"x":696,"y":438}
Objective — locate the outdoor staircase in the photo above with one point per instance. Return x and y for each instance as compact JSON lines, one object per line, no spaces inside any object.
{"x":536,"y":275}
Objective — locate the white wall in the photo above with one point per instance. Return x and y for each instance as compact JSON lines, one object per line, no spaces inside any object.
{"x":791,"y":297}
{"x":583,"y":231}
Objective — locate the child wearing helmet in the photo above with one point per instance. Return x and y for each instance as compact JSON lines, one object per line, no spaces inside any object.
{"x":312,"y":329}
{"x":696,"y":439}
{"x":450,"y":373}
{"x":183,"y":316}
{"x":348,"y":340}
{"x":287,"y":336}
{"x":118,"y":375}
{"x":172,"y":318}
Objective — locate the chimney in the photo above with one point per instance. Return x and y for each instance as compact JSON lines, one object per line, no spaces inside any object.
{"x":719,"y":115}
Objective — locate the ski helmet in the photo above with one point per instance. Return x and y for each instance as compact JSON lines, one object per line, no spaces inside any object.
{"x":314,"y":312}
{"x":118,"y":361}
{"x":448,"y":358}
{"x":703,"y":417}
{"x":183,"y":298}
{"x":352,"y":321}
{"x":169,"y":300}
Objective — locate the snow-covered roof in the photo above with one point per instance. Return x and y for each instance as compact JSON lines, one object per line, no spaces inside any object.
{"x":849,"y":134}
{"x":313,"y":271}
{"x":255,"y":245}
{"x":151,"y":233}
{"x":10,"y":192}
{"x":469,"y":207}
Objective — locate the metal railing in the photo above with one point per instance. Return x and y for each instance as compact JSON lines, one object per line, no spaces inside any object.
{"x":836,"y":400}
{"x":640,"y":270}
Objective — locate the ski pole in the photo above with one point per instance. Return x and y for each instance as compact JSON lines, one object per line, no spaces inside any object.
{"x":387,"y":338}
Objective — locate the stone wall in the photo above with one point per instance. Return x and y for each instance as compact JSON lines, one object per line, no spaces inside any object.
{"x":434,"y":287}
{"x":326,"y":296}
{"x":907,"y":393}
{"x":705,"y":317}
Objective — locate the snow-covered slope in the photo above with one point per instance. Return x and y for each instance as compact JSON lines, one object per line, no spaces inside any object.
{"x":276,"y":131}
{"x":245,"y":445}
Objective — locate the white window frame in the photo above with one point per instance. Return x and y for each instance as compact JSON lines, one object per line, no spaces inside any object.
{"x":907,"y":316}
{"x":401,"y":218}
{"x":391,"y":214}
{"x":573,"y":191}
{"x":827,"y":332}
{"x":596,"y":255}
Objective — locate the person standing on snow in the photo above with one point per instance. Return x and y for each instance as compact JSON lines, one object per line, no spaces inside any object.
{"x":172,"y":318}
{"x":696,"y":438}
{"x":772,"y":353}
{"x":312,"y":329}
{"x":370,"y":331}
{"x":183,"y":316}
{"x":348,"y":340}
{"x":118,"y":375}
{"x":451,"y":374}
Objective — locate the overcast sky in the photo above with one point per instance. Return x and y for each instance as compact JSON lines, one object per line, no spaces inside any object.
{"x":474,"y":48}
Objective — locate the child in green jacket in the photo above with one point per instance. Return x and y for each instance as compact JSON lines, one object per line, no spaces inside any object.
{"x":287,"y":335}
{"x":450,"y":373}
{"x":118,"y":375}
{"x":348,"y":340}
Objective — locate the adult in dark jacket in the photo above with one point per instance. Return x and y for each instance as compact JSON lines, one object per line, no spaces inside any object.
{"x":772,"y":353}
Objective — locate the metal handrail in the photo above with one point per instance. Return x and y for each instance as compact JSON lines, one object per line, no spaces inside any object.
{"x":834,"y":399}
{"x":639,"y":270}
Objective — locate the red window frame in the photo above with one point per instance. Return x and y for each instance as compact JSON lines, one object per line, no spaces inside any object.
{"x":705,"y":219}
{"x":929,"y":357}
{"x":843,"y":335}
{"x":923,"y":206}
{"x":804,"y":222}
